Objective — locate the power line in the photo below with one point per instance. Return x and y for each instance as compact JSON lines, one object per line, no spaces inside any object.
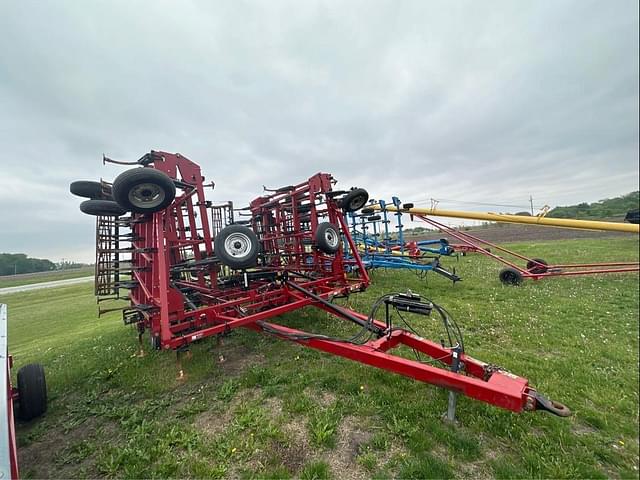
{"x":524,"y":207}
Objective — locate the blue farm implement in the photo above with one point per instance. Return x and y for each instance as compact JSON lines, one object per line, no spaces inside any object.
{"x":381,"y":243}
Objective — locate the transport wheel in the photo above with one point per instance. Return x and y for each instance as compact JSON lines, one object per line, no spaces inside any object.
{"x":328,"y":238}
{"x":407,"y":205}
{"x":354,"y":200}
{"x":533,"y":267}
{"x":374,"y":218}
{"x":106,"y":208}
{"x":143,"y":190}
{"x":510,"y":276}
{"x":32,"y":391}
{"x":237,"y":247}
{"x":368,"y":211}
{"x":88,"y":189}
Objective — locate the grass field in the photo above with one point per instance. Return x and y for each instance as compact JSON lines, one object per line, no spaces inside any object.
{"x":30,"y":279}
{"x":259,"y":407}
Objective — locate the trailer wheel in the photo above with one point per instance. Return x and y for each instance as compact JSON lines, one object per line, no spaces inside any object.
{"x":534,"y":267}
{"x":237,"y":247}
{"x":88,"y":189}
{"x":354,"y":200}
{"x":328,"y":238}
{"x":106,"y":208}
{"x":32,"y":391}
{"x":510,"y":276}
{"x":143,"y":190}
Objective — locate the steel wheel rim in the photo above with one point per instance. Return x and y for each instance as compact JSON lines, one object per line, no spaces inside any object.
{"x":331,"y":237}
{"x":357,"y":203}
{"x":146,"y":195}
{"x":238,"y":245}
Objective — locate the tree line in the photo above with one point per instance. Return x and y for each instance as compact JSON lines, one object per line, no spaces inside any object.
{"x":607,"y":208}
{"x":16,"y":263}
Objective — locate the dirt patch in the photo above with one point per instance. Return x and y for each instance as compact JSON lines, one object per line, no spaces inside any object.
{"x":295,"y":453}
{"x":43,"y":459}
{"x":323,"y":398}
{"x":508,"y":233}
{"x":215,"y":421}
{"x":233,"y":359}
{"x":273,"y":408}
{"x":583,"y":429}
{"x":343,"y":459}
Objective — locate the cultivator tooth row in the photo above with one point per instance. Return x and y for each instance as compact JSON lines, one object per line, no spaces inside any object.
{"x":193,"y":270}
{"x":382,"y":245}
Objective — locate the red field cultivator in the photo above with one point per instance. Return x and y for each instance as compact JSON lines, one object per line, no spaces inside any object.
{"x":193,"y":270}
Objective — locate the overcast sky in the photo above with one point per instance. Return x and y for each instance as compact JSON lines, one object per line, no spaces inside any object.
{"x":466,"y":100}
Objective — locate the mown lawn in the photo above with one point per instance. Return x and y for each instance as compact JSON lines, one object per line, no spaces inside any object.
{"x":258,"y":407}
{"x":13,"y":281}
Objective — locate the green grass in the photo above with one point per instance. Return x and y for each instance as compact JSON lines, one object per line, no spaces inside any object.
{"x":14,"y":281}
{"x":273,"y":409}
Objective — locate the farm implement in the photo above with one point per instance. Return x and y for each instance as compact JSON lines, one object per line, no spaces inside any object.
{"x":186,"y":277}
{"x":517,"y":266}
{"x":380,"y":246}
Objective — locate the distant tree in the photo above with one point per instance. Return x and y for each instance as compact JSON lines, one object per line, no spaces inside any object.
{"x":13,"y":263}
{"x":606,"y":208}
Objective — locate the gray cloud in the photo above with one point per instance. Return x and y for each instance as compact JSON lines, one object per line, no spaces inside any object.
{"x":477,"y":101}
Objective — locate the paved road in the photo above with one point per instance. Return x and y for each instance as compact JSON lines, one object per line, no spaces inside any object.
{"x":38,"y":286}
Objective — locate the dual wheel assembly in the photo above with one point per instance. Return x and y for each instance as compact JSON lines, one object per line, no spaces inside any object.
{"x":139,"y":190}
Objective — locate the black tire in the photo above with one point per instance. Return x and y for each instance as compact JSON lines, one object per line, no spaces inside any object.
{"x":143,"y":190}
{"x":88,"y":189}
{"x":103,"y":208}
{"x":374,"y":218}
{"x":534,"y":267}
{"x":237,"y":247}
{"x":32,"y":391}
{"x":328,"y":238}
{"x":368,"y":211}
{"x":510,"y":276}
{"x":354,"y":200}
{"x":407,"y":205}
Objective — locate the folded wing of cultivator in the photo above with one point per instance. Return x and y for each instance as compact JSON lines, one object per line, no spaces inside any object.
{"x":191,"y":270}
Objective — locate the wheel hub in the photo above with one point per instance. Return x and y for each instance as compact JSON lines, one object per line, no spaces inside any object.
{"x":146,"y":195}
{"x":331,"y":237}
{"x":237,"y":245}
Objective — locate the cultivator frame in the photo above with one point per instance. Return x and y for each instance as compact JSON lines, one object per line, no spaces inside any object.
{"x":381,"y":247}
{"x":185,"y":284}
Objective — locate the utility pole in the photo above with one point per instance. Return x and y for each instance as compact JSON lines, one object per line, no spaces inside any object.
{"x":531,"y":202}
